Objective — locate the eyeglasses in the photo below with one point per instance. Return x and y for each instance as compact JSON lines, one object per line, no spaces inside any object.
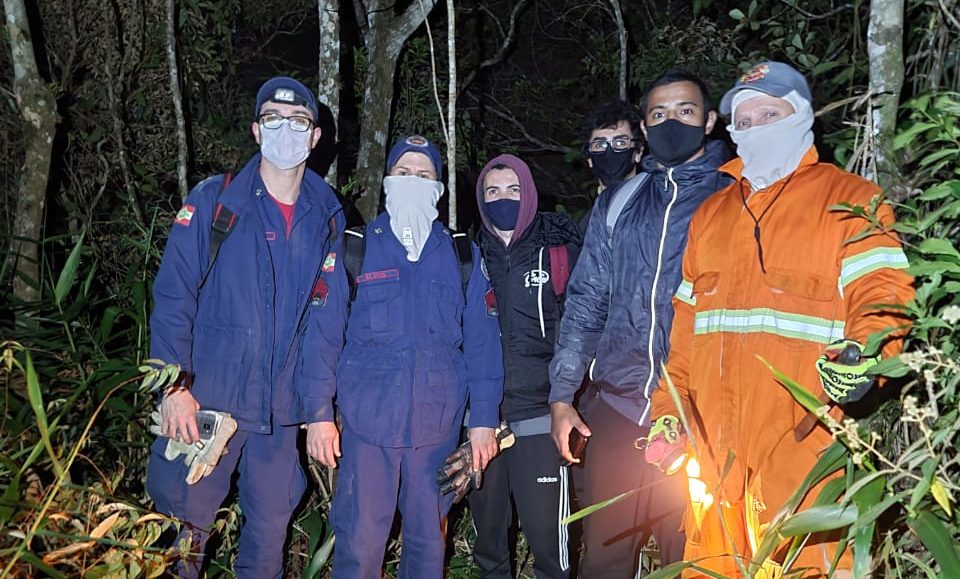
{"x":297,"y":123}
{"x":619,"y":144}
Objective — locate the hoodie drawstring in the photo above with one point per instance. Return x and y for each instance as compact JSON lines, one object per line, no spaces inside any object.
{"x":543,"y":331}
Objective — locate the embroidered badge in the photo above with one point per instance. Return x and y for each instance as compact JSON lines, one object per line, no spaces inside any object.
{"x":483,"y":269}
{"x":378,"y":275}
{"x":490,"y":299}
{"x":185,"y":215}
{"x":756,"y":73}
{"x":318,"y":297}
{"x":330,"y":262}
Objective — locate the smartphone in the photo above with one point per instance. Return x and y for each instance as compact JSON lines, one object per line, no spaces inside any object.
{"x":578,"y":445}
{"x":206,"y":424}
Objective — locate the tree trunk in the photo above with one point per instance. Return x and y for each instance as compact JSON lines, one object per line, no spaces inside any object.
{"x":182,"y":154}
{"x":622,"y":37}
{"x":39,"y":112}
{"x":885,"y":49}
{"x":385,"y":36}
{"x":329,"y":50}
{"x":451,"y":115}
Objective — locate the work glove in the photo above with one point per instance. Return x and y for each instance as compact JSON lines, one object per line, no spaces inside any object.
{"x":843,"y":371}
{"x":666,"y":445}
{"x":202,"y":456}
{"x":457,"y":475}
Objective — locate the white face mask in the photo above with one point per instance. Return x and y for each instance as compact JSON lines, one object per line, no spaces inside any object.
{"x":284,"y":147}
{"x":771,"y":152}
{"x":412,"y":206}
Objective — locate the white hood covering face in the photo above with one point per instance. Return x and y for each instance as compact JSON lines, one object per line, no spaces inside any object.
{"x":412,"y":206}
{"x":771,"y":152}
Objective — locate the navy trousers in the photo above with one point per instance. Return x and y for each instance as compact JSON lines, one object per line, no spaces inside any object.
{"x":373,"y":482}
{"x":270,"y":484}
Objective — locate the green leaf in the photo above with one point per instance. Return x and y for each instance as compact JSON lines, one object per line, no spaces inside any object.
{"x":939,"y":246}
{"x":596,"y":507}
{"x":36,"y":403}
{"x":69,"y":273}
{"x":905,"y":137}
{"x":673,"y":570}
{"x":737,"y":14}
{"x":799,"y":393}
{"x":320,"y":558}
{"x":816,"y":519}
{"x":935,"y":536}
{"x":942,"y":495}
{"x":863,"y":532}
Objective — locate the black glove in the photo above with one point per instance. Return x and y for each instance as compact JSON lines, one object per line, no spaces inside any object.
{"x":457,"y":473}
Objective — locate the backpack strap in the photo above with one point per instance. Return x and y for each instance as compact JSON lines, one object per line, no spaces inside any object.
{"x":464,"y":251}
{"x":223,"y":221}
{"x":559,"y":268}
{"x":354,"y":245}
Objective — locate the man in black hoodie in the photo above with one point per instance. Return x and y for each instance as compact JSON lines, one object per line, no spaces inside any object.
{"x":528,"y":256}
{"x":617,"y":322}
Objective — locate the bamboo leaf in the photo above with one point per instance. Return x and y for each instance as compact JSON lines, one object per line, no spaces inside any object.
{"x":816,"y":519}
{"x":320,"y":558}
{"x":936,"y":538}
{"x":596,"y":507}
{"x":69,"y":273}
{"x":799,"y":393}
{"x":868,"y":495}
{"x":36,"y":403}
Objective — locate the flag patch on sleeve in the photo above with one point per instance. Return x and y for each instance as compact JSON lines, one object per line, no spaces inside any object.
{"x":330,"y":262}
{"x":185,"y":215}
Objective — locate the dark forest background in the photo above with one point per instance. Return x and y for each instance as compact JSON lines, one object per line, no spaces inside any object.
{"x":113,"y":108}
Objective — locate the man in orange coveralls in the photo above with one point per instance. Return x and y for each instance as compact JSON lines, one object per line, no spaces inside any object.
{"x":770,"y":271}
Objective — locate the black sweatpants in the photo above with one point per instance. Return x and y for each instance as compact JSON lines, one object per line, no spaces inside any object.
{"x":614,"y":536}
{"x":530,"y":472}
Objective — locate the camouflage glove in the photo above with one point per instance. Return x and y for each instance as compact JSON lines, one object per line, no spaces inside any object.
{"x":457,"y":473}
{"x":216,"y":429}
{"x":843,"y":371}
{"x":666,"y":445}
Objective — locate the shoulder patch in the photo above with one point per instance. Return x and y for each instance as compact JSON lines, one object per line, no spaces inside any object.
{"x":483,"y":269}
{"x":330,"y":262}
{"x":185,"y":215}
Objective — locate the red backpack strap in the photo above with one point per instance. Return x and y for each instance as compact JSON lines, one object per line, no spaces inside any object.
{"x":559,"y":268}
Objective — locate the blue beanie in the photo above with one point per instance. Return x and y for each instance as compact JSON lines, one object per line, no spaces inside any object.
{"x":417,"y":144}
{"x":283,"y":89}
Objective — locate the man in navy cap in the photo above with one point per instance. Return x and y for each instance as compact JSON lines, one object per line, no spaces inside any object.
{"x":422,"y":340}
{"x":245,"y":264}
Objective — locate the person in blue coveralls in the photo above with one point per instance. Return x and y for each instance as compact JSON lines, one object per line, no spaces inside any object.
{"x":230,"y":309}
{"x":420,"y":345}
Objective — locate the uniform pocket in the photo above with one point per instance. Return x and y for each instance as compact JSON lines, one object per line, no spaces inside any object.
{"x":446,"y":307}
{"x":381,"y":299}
{"x":800,"y":284}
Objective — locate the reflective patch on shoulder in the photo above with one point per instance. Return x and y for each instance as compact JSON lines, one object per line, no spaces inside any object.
{"x":185,"y":215}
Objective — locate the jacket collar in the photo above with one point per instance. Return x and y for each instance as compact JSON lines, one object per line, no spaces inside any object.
{"x":714,"y":155}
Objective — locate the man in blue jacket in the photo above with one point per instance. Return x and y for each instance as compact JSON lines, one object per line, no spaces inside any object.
{"x":419,"y":345}
{"x":233,"y":317}
{"x":617,"y":323}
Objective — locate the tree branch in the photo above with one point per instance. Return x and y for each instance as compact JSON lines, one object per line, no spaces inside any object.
{"x":171,"y":37}
{"x":504,"y":46}
{"x":812,"y":16}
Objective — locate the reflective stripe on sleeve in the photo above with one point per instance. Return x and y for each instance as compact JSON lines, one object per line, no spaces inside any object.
{"x":685,"y":293}
{"x":861,"y":264}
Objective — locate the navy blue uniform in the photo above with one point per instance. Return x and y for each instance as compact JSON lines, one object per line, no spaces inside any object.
{"x":241,"y":335}
{"x":417,"y":349}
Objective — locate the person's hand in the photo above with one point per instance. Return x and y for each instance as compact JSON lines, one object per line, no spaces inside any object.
{"x":179,"y":409}
{"x":485,"y":447}
{"x":843,"y":371}
{"x":666,"y":446}
{"x":563,"y":419}
{"x":323,"y":443}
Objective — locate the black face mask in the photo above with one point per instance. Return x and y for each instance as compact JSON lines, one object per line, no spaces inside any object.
{"x":612,"y":167}
{"x":672,"y":142}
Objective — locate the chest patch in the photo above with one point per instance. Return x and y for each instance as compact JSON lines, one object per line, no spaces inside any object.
{"x":378,"y":275}
{"x":536,"y":278}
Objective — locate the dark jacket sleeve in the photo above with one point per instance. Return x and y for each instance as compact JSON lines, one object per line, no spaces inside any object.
{"x":585,"y":309}
{"x":482,"y":351}
{"x":323,"y":339}
{"x":176,"y":286}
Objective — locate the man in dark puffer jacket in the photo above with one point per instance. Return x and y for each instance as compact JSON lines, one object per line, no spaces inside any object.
{"x":527,"y":255}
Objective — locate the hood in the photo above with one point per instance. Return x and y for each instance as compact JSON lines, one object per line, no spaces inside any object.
{"x":528,"y":194}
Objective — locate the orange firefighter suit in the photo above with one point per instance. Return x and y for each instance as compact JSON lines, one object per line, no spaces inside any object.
{"x":818,"y":287}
